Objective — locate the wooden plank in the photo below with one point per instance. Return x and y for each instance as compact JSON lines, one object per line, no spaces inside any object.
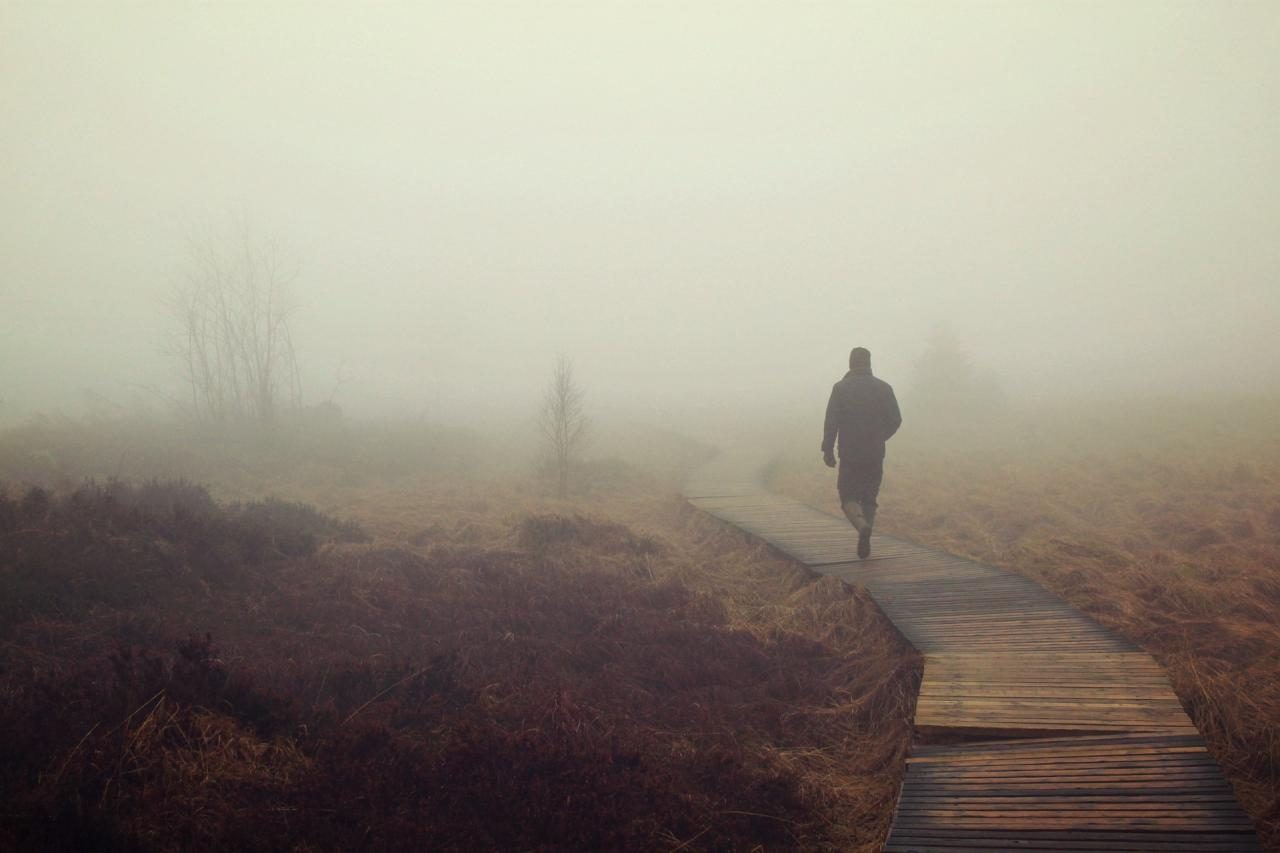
{"x":1153,"y":788}
{"x":1038,"y":746}
{"x":1023,"y":774}
{"x":982,"y":723}
{"x":1129,"y":753}
{"x":920,"y":841}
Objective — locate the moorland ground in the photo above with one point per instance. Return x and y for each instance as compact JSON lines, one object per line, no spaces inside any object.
{"x":1159,"y":518}
{"x":415,"y":644}
{"x":371,"y":638}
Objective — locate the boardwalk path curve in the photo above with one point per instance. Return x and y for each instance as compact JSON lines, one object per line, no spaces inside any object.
{"x":1073,"y":738}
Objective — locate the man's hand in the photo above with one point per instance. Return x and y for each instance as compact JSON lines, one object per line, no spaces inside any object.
{"x":829,"y":458}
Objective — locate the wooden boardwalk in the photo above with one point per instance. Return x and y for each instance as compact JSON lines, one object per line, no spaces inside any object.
{"x":1073,"y":738}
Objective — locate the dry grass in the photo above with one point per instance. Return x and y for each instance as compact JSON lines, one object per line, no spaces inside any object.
{"x":1161,"y":520}
{"x":494,"y":670}
{"x":849,"y":745}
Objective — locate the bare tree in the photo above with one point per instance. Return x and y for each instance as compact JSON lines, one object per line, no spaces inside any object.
{"x":563,"y":422}
{"x":234,"y":341}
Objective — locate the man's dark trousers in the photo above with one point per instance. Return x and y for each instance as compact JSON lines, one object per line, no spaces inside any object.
{"x":858,"y":481}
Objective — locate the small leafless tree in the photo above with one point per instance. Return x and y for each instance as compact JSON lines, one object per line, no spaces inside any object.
{"x":233,"y":338}
{"x":563,"y":422}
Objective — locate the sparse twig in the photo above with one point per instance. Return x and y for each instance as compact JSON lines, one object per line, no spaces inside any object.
{"x":683,"y":844}
{"x":384,"y":692}
{"x":66,"y":761}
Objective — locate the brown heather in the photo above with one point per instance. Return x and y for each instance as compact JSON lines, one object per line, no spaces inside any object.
{"x":459,"y":665}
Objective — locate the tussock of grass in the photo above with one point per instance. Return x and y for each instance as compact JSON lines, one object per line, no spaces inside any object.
{"x":541,"y":532}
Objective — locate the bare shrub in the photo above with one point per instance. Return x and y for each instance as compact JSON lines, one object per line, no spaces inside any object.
{"x":563,"y":422}
{"x":543,"y":531}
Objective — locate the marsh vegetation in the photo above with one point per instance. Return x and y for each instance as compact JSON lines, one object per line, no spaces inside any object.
{"x":443,"y":656}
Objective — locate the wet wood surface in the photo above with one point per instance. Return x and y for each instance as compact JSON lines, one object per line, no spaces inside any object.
{"x":1075,"y":739}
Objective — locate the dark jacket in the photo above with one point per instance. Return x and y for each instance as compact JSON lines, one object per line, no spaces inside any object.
{"x":864,"y":413}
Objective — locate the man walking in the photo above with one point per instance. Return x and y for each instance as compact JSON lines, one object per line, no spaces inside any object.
{"x":863,"y":413}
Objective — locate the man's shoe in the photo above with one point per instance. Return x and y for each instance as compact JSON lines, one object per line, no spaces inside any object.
{"x":864,"y":543}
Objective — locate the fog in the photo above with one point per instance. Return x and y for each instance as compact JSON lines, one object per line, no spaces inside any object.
{"x":703,"y":205}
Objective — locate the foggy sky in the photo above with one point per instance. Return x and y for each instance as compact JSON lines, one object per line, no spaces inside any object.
{"x":705,"y":205}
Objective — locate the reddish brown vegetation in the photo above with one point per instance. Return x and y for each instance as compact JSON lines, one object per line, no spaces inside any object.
{"x":179,"y":675}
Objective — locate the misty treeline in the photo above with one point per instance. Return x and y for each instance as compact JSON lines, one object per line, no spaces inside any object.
{"x":232,"y":313}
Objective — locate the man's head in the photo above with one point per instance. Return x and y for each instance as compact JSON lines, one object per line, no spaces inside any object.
{"x":860,"y":359}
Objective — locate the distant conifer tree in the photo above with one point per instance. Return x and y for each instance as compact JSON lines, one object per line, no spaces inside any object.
{"x":948,"y":384}
{"x":563,"y":422}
